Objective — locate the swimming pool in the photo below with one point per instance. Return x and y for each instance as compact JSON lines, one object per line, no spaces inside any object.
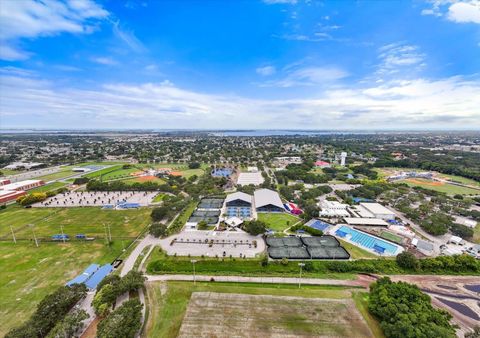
{"x":368,"y":241}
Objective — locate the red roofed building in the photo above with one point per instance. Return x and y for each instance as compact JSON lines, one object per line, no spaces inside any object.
{"x":322,"y":164}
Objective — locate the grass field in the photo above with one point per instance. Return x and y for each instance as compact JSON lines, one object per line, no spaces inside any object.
{"x":440,"y":186}
{"x":355,"y":251}
{"x":391,"y":237}
{"x":278,"y":221}
{"x":56,"y":176}
{"x":48,"y":187}
{"x":89,"y":221}
{"x":168,"y":303}
{"x":29,"y":273}
{"x":476,"y":234}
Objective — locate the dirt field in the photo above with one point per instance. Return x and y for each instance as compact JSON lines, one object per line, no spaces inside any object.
{"x":425,"y":182}
{"x":212,"y":314}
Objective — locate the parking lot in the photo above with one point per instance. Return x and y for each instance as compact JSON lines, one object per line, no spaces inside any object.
{"x":97,"y":198}
{"x":213,"y":243}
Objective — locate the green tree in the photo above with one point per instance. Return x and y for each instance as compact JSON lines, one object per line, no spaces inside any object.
{"x":123,"y":322}
{"x":69,"y":325}
{"x":255,"y":227}
{"x":407,"y":260}
{"x":158,"y":230}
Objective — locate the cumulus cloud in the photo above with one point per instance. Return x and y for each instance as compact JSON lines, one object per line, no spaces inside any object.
{"x":467,"y":11}
{"x":31,"y":19}
{"x":419,"y":103}
{"x":464,"y":12}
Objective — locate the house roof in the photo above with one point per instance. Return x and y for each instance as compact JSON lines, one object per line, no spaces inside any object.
{"x":239,"y":196}
{"x":265,"y":197}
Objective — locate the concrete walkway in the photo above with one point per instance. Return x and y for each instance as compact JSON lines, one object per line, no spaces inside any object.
{"x":360,"y":281}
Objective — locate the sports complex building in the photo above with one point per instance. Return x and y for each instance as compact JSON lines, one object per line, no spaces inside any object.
{"x":11,"y":191}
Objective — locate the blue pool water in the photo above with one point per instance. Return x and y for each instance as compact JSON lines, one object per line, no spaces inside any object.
{"x":367,"y":240}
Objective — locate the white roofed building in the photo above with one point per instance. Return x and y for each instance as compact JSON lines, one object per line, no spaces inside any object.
{"x":254,"y":178}
{"x":239,"y":199}
{"x":378,"y":211}
{"x":267,"y":200}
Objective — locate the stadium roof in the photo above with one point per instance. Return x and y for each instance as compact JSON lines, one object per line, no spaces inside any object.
{"x":265,"y":197}
{"x":239,"y":196}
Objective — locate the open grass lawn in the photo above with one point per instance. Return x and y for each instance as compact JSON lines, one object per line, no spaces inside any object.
{"x":233,"y":266}
{"x":48,"y":187}
{"x":56,"y":176}
{"x":119,"y":174}
{"x":89,"y":221}
{"x":356,"y":252}
{"x":391,"y":237}
{"x":278,"y":221}
{"x":460,"y":179}
{"x":8,"y":172}
{"x":168,"y":302}
{"x":443,"y":187}
{"x":104,"y":171}
{"x":476,"y":234}
{"x":141,"y":180}
{"x":28,"y":273}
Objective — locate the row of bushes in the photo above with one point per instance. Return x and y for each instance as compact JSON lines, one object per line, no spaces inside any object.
{"x":95,"y":185}
{"x":36,"y":197}
{"x":310,"y":230}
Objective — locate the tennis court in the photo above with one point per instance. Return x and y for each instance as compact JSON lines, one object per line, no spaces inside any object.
{"x":324,"y":247}
{"x":210,"y":203}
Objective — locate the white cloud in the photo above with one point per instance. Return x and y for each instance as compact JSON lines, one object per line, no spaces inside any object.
{"x":417,"y":103}
{"x":397,"y":56}
{"x":266,"y":71}
{"x":104,"y":61}
{"x":298,"y":75}
{"x":31,"y":19}
{"x":464,"y":12}
{"x":128,"y":37}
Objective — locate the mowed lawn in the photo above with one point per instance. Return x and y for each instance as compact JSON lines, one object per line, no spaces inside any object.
{"x":48,"y":187}
{"x":28,"y":273}
{"x":278,"y":221}
{"x":89,"y":221}
{"x":168,"y":301}
{"x":449,"y":189}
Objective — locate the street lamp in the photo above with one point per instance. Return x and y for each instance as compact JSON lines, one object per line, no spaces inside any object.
{"x":193,"y":263}
{"x":301,"y":265}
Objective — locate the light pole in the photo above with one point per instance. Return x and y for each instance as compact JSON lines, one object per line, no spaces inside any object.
{"x":194,"y":278}
{"x":301,"y":265}
{"x":35,"y":237}
{"x":13,"y":234}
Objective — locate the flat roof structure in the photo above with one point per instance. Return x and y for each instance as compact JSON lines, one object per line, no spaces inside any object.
{"x":22,"y":185}
{"x":376,"y":208}
{"x":365,"y":221}
{"x":267,"y":197}
{"x":254,"y":178}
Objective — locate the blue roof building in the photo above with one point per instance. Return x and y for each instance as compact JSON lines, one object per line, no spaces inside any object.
{"x":85,"y":275}
{"x":98,"y":276}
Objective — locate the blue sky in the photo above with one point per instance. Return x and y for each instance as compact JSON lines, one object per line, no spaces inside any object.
{"x":240,"y":64}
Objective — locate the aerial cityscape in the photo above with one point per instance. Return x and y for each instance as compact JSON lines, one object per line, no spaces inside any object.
{"x":261,"y":168}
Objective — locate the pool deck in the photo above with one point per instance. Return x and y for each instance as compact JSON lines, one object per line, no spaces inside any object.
{"x":334,"y":228}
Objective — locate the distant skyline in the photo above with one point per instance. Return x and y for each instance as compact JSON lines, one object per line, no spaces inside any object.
{"x":271,"y":64}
